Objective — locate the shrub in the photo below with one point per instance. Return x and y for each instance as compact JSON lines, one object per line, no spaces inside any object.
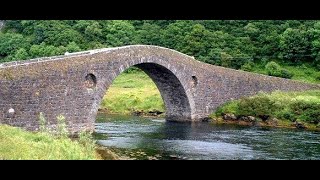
{"x":311,"y":115}
{"x":258,"y":106}
{"x":228,"y":107}
{"x":285,"y":74}
{"x":286,"y":113}
{"x":299,"y":107}
{"x":247,"y":66}
{"x":306,"y":111}
{"x":275,"y":69}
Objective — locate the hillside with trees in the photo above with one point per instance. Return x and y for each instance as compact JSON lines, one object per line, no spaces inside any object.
{"x":284,"y":48}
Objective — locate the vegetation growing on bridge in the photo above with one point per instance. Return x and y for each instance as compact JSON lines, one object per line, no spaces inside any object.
{"x":299,"y":107}
{"x":241,"y":44}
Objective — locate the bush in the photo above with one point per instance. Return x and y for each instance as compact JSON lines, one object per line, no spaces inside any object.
{"x":312,"y":115}
{"x":258,"y":106}
{"x":303,"y":106}
{"x":285,"y":74}
{"x":228,"y":107}
{"x":247,"y":66}
{"x":306,"y":111}
{"x":287,"y":114}
{"x":275,"y":69}
{"x":299,"y":107}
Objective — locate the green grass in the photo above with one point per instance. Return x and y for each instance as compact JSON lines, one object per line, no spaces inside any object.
{"x":131,"y":92}
{"x":286,"y":106}
{"x":304,"y":72}
{"x":16,"y":144}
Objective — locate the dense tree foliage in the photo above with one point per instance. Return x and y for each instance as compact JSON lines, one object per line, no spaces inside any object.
{"x":231,"y":43}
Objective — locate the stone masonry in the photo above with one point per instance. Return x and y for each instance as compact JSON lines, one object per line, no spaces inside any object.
{"x":73,"y":85}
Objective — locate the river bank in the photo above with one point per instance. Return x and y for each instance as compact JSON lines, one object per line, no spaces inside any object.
{"x":275,"y":123}
{"x":278,"y":109}
{"x":18,"y":144}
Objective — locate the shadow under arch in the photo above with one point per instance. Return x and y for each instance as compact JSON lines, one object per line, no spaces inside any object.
{"x":173,"y":93}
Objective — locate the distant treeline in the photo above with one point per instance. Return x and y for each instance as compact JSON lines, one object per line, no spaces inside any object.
{"x":229,"y":43}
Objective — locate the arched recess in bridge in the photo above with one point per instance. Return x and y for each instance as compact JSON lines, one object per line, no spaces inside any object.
{"x":173,"y":93}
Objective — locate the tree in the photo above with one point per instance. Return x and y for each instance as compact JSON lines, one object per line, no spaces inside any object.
{"x":43,"y":50}
{"x":149,"y":34}
{"x":93,"y":31}
{"x":174,"y":34}
{"x":294,"y":44}
{"x":21,"y":54}
{"x":73,"y":47}
{"x":120,"y":33}
{"x":315,"y":47}
{"x":56,"y":33}
{"x":11,"y":42}
{"x":197,"y":42}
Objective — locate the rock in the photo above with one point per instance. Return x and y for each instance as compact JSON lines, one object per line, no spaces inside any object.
{"x":247,"y":118}
{"x":264,"y":117}
{"x":229,"y":117}
{"x":152,"y":158}
{"x":251,"y":118}
{"x":299,"y":125}
{"x":206,"y":119}
{"x":155,"y":113}
{"x":137,"y":113}
{"x":243,"y":118}
{"x":273,"y":121}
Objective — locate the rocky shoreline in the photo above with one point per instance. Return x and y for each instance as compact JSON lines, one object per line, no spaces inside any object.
{"x":261,"y":122}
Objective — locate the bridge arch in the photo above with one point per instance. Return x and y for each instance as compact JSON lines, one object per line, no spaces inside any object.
{"x":178,"y":100}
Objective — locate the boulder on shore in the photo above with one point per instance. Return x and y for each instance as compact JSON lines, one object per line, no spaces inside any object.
{"x":299,"y":125}
{"x":229,"y":116}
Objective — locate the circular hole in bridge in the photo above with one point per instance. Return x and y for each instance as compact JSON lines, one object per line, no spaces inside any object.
{"x":91,"y":81}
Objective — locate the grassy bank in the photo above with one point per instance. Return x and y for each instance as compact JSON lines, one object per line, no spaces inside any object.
{"x":133,"y":91}
{"x":16,"y":143}
{"x":293,"y":109}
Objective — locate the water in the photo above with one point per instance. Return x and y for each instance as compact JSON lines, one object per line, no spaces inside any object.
{"x":147,"y":138}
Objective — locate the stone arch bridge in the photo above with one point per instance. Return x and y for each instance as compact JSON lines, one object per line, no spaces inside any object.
{"x":73,"y":85}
